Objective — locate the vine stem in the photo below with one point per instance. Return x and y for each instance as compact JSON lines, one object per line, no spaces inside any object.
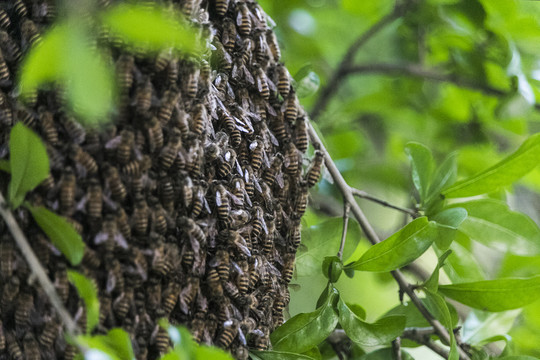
{"x":37,"y":269}
{"x":372,"y":236}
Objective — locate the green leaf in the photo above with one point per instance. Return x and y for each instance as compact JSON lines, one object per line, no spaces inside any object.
{"x":439,"y":308}
{"x":88,"y":292}
{"x":357,"y":310}
{"x":433,"y":282}
{"x":495,"y":295}
{"x":385,"y":354}
{"x":154,"y":29}
{"x":60,"y":232}
{"x":482,"y":325}
{"x":400,"y":249}
{"x":322,"y":240}
{"x":518,"y":357}
{"x":413,"y":316}
{"x":461,"y":266}
{"x":332,"y":268}
{"x":303,"y":331}
{"x":97,"y":346}
{"x":307,"y":85}
{"x":445,"y":176}
{"x":381,"y":332}
{"x":502,"y":174}
{"x":119,"y":340}
{"x":451,"y":217}
{"x":5,"y":166}
{"x":313,"y":353}
{"x":210,"y":352}
{"x":279,"y":355}
{"x":422,"y":166}
{"x":492,"y":223}
{"x":29,"y":163}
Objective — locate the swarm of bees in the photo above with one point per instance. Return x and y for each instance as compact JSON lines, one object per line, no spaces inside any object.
{"x":189,"y":202}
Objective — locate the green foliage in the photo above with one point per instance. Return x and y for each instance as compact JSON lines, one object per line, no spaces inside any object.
{"x":29,"y":163}
{"x":307,"y":82}
{"x":116,"y":344}
{"x":88,"y":292}
{"x":332,"y":268}
{"x":60,"y":232}
{"x":385,"y":354}
{"x":277,"y":355}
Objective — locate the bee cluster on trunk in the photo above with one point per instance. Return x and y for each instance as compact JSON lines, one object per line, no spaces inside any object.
{"x":189,"y":202}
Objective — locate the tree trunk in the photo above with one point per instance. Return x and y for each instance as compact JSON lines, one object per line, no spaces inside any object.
{"x":189,"y":201}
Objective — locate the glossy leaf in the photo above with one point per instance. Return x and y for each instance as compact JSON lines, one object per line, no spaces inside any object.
{"x":398,"y":250}
{"x":97,"y":346}
{"x":461,"y":265}
{"x":29,"y":163}
{"x":303,"y":331}
{"x":151,"y":28}
{"x":518,"y":357}
{"x":119,"y":340}
{"x":439,"y":308}
{"x":385,"y":354}
{"x":493,"y":224}
{"x":381,"y":332}
{"x":322,"y":240}
{"x":313,"y":353}
{"x":332,"y":268}
{"x":433,"y":282}
{"x":279,"y":355}
{"x":495,"y":295}
{"x":451,"y":217}
{"x":88,"y":292}
{"x":445,"y":176}
{"x":60,"y":232}
{"x":502,"y":174}
{"x":482,"y":325}
{"x":422,"y":166}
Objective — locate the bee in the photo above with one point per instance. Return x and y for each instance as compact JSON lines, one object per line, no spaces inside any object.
{"x":188,"y":293}
{"x":262,"y":83}
{"x":122,"y":304}
{"x":61,"y":282}
{"x":125,"y":65}
{"x":162,"y":60}
{"x":239,"y":192}
{"x":80,"y":317}
{"x":232,"y":291}
{"x":48,"y":127}
{"x":301,"y":202}
{"x":94,"y":203}
{"x":273,"y":44}
{"x":236,"y":240}
{"x":261,"y":46}
{"x":200,"y":119}
{"x":2,"y":338}
{"x":83,"y":159}
{"x":239,"y":218}
{"x":229,"y":333}
{"x":25,"y":305}
{"x":4,"y":70}
{"x":115,"y":276}
{"x":228,"y":34}
{"x":159,"y":219}
{"x":257,"y":152}
{"x":268,"y":242}
{"x":301,"y":134}
{"x":10,"y":49}
{"x":13,"y":348}
{"x":274,"y":174}
{"x":199,"y":201}
{"x":124,"y":144}
{"x":139,"y":218}
{"x":169,"y":152}
{"x":166,"y":191}
{"x":250,"y":181}
{"x":227,"y":163}
{"x":170,"y":297}
{"x":192,"y":82}
{"x":288,"y":268}
{"x":70,"y":352}
{"x":258,"y":223}
{"x":242,"y":278}
{"x":221,"y":7}
{"x":10,"y":291}
{"x":7,"y":258}
{"x":49,"y":334}
{"x":160,"y":339}
{"x":172,"y":72}
{"x":153,"y":294}
{"x":135,"y":168}
{"x":109,"y":235}
{"x":143,"y":97}
{"x":20,"y":8}
{"x":195,"y":158}
{"x":278,"y":127}
{"x":291,"y":107}
{"x":23,"y":115}
{"x":221,"y":59}
{"x":295,"y":235}
{"x":222,"y":263}
{"x":168,"y":104}
{"x":155,"y":134}
{"x":292,"y":160}
{"x":193,"y":230}
{"x":74,"y":129}
{"x":267,"y":196}
{"x":314,"y":171}
{"x":67,"y":192}
{"x":5,"y":22}
{"x":30,"y":32}
{"x":105,"y":308}
{"x":222,"y":203}
{"x":283,"y":80}
{"x":115,"y":184}
{"x":214,"y":283}
{"x":243,"y":18}
{"x":91,"y":258}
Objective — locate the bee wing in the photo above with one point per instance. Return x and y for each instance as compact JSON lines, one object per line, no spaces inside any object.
{"x":241,"y":337}
{"x":111,"y":282}
{"x":218,"y":198}
{"x":270,"y":109}
{"x":238,"y":168}
{"x":242,"y":246}
{"x":247,"y":198}
{"x":120,"y":241}
{"x":113,"y":143}
{"x":239,"y":17}
{"x":100,"y":238}
{"x":248,"y":76}
{"x":236,"y":200}
{"x":263,"y":223}
{"x":271,"y":85}
{"x":254,"y":145}
{"x":261,"y":82}
{"x":279,"y":179}
{"x":230,"y":91}
{"x":257,"y":185}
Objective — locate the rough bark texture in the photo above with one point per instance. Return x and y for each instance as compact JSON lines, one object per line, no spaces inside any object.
{"x":189,"y":202}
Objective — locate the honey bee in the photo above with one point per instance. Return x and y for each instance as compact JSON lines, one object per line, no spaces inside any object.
{"x":296,"y":234}
{"x":123,"y":144}
{"x":160,"y":339}
{"x":239,"y":192}
{"x":258,"y":223}
{"x":5,"y":22}
{"x":222,"y":263}
{"x":200,"y":119}
{"x":20,"y":8}
{"x":29,"y":32}
{"x":115,"y":184}
{"x":4,"y":70}
{"x":125,"y":66}
{"x":187,"y":192}
{"x":105,"y":308}
{"x":243,"y":18}
{"x":155,"y":135}
{"x":222,"y":203}
{"x":268,"y":243}
{"x":278,"y":127}
{"x":168,"y":103}
{"x":274,"y":174}
{"x":262,"y":83}
{"x":122,"y":304}
{"x":232,"y":292}
{"x":162,"y":60}
{"x":242,"y":277}
{"x":80,"y":317}
{"x":13,"y":348}
{"x":214,"y":283}
{"x":257,"y":152}
{"x":115,"y":276}
{"x":228,"y":34}
{"x":291,"y":107}
{"x":10,"y":291}
{"x":139,"y":218}
{"x":172,"y":72}
{"x":288,"y":268}
{"x":250,"y":181}
{"x":267,"y":196}
{"x":159,"y":219}
{"x":50,"y":332}
{"x":7,"y":258}
{"x":199,"y":201}
{"x":2,"y":338}
{"x":23,"y":115}
{"x":192,"y":82}
{"x":188,"y":293}
{"x":74,"y":129}
{"x":61,"y":282}
{"x":314,"y":172}
{"x":229,"y":333}
{"x":25,"y":305}
{"x":283,"y":80}
{"x":10,"y":49}
{"x":135,"y":168}
{"x":82,"y":158}
{"x":221,"y":59}
{"x":301,"y":202}
{"x":205,"y":73}
{"x":169,"y":153}
{"x":50,"y":133}
{"x":67,"y":192}
{"x":261,"y":46}
{"x":70,"y":352}
{"x":292,"y":160}
{"x":170,"y":298}
{"x":301,"y":134}
{"x":227,"y":162}
{"x":153,"y":294}
{"x":109,"y":235}
{"x":91,"y":258}
{"x":143,"y":97}
{"x":221,"y":7}
{"x":236,"y":240}
{"x":94,"y":203}
{"x":166,"y":191}
{"x":273,"y":44}
{"x":193,"y":230}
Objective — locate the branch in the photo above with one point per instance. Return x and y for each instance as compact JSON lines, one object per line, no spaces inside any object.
{"x":37,"y":268}
{"x":347,"y":208}
{"x":415,"y":70}
{"x":333,"y":83}
{"x":421,"y":336}
{"x":372,"y":236}
{"x":365,"y":195}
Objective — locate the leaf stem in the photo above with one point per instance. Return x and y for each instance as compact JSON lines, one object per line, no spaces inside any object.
{"x":365,"y":195}
{"x":372,"y":236}
{"x":346,"y":209}
{"x":37,"y":269}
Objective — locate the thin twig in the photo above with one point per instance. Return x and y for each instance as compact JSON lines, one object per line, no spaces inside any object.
{"x":37,"y":268}
{"x":365,"y":195}
{"x":419,"y":71}
{"x":396,"y":347}
{"x":422,"y":338}
{"x":333,"y":83}
{"x":346,"y":209}
{"x":372,"y":236}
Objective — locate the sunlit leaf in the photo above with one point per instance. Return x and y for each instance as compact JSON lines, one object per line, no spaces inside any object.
{"x":502,"y":174}
{"x":400,"y":249}
{"x":492,"y":223}
{"x":279,"y":355}
{"x":88,"y":292}
{"x":518,"y":357}
{"x":439,"y":309}
{"x":385,"y":354}
{"x":433,"y":282}
{"x":313,"y":353}
{"x":422,"y":167}
{"x":461,"y":266}
{"x":495,"y":295}
{"x":481,"y":325}
{"x":451,"y":217}
{"x":153,"y":28}
{"x":119,"y":340}
{"x":445,"y":176}
{"x":381,"y":332}
{"x":62,"y":234}
{"x":29,"y":163}
{"x":303,"y":331}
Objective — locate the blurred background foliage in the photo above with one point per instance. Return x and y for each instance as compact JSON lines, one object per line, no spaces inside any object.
{"x":482,"y":102}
